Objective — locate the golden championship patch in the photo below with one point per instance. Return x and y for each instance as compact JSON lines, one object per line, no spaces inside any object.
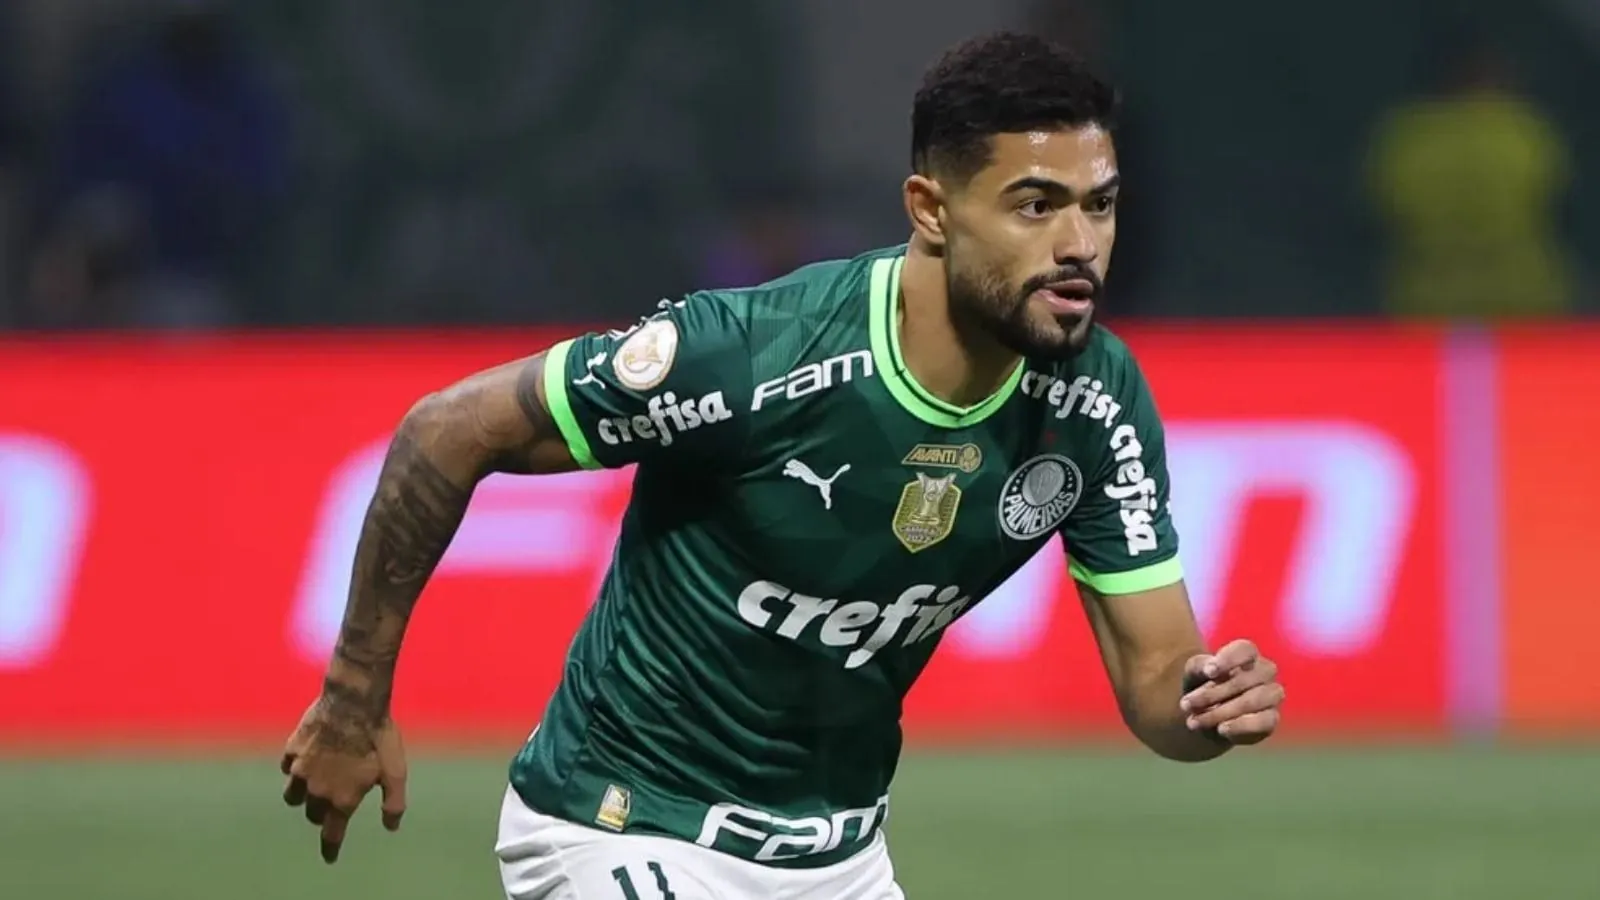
{"x":927,"y":511}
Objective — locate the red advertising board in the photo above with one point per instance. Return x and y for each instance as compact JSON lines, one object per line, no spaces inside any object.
{"x":177,"y":520}
{"x":1549,"y":421}
{"x":1304,"y":490}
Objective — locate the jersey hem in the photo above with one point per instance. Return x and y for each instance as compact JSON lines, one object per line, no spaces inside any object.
{"x":548,"y":795}
{"x":555,"y":395}
{"x":1148,"y":578}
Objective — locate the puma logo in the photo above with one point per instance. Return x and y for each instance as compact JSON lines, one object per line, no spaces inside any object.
{"x":589,"y":378}
{"x":794,"y":468}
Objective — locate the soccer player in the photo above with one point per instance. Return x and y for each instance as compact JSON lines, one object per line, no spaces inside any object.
{"x":831,"y":468}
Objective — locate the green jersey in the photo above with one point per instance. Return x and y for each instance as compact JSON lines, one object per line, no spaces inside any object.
{"x":806,"y":521}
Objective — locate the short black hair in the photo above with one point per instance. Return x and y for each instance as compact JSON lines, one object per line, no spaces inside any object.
{"x":1000,"y":83}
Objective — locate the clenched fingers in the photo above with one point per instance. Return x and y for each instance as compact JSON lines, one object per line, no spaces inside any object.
{"x":394,"y":801}
{"x":1214,"y":693}
{"x":317,"y":809}
{"x":392,"y":777}
{"x":333,"y":829}
{"x":1260,"y":698}
{"x":294,"y":791}
{"x":1250,"y":728}
{"x":1238,"y":654}
{"x":294,"y":788}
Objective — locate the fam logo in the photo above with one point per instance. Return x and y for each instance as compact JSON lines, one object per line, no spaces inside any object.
{"x":1038,"y":496}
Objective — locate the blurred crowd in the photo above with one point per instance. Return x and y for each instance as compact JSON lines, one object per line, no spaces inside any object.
{"x":142,"y":204}
{"x":196,"y":164}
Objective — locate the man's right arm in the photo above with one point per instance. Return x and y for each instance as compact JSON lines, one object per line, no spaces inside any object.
{"x":497,"y":420}
{"x":672,"y":388}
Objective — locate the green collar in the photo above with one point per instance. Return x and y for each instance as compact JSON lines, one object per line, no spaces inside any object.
{"x":884,"y":309}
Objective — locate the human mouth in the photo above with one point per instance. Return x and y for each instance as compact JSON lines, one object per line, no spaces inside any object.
{"x":1074,"y":297}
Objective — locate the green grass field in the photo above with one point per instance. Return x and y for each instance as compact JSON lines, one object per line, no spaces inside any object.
{"x":1405,"y":824}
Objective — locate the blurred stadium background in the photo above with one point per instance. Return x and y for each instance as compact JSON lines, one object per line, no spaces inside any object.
{"x":1357,"y":253}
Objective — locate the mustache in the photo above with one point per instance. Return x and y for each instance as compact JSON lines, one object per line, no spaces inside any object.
{"x":1068,"y":273}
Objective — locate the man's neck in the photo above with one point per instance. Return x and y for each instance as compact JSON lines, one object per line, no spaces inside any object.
{"x":961,"y":366}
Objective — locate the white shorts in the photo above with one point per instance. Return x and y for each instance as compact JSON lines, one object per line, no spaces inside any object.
{"x":545,"y":858}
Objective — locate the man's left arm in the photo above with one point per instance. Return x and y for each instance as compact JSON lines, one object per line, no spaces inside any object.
{"x":1180,"y":699}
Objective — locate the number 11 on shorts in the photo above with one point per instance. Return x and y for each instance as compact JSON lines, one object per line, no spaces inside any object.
{"x":629,"y":892}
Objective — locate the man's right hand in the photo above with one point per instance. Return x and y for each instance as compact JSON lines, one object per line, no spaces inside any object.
{"x":333,"y":759}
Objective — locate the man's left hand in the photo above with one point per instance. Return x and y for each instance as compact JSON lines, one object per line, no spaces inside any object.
{"x":1234,"y":692}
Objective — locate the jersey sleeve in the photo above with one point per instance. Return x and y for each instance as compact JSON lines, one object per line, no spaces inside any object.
{"x":675,"y":386}
{"x":1120,"y":538}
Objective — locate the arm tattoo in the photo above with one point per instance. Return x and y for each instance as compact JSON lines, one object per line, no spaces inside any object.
{"x":415,"y":512}
{"x":435,"y":459}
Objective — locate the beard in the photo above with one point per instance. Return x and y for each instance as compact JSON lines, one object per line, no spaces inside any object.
{"x":983,"y":298}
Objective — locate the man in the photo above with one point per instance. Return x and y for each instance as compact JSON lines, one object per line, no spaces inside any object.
{"x":1469,"y":184}
{"x":832,"y":467}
